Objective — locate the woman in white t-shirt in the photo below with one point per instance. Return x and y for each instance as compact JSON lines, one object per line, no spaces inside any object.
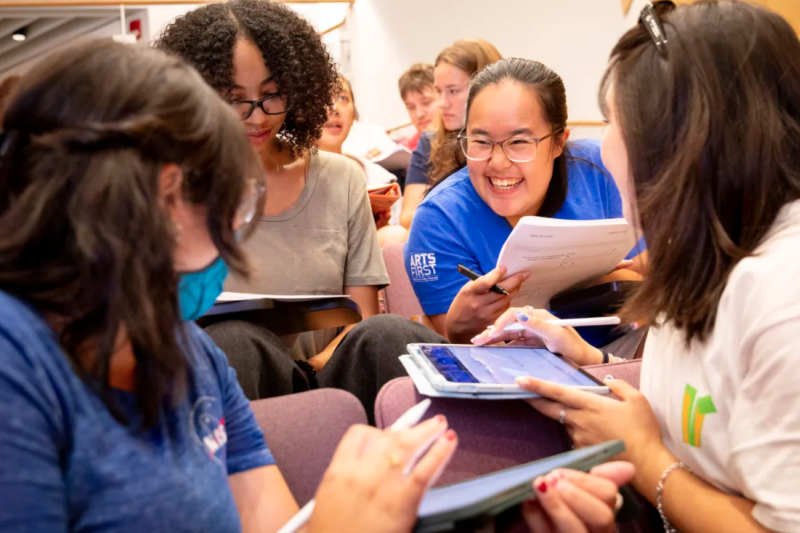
{"x":703,"y":103}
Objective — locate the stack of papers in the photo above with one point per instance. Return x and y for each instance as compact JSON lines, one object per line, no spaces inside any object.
{"x":563,"y":254}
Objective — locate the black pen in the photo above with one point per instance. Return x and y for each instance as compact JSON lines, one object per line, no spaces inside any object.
{"x":497,"y":289}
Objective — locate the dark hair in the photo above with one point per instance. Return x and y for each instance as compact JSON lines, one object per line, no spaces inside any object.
{"x":7,"y":89}
{"x":471,"y":56}
{"x":417,"y":78}
{"x":292,"y":49}
{"x":712,"y":132}
{"x":82,"y":237}
{"x":548,"y":87}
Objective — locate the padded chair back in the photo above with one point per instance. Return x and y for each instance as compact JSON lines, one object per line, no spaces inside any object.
{"x":303,"y":430}
{"x":399,"y":295}
{"x":494,"y":434}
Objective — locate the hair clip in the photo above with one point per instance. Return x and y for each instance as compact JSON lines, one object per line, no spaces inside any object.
{"x":649,"y":18}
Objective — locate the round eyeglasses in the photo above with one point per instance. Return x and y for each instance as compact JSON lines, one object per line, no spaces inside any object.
{"x":516,"y":149}
{"x":271,"y":104}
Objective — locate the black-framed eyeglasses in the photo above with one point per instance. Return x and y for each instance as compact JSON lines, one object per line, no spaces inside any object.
{"x":516,"y":149}
{"x":649,"y":18}
{"x":271,"y":104}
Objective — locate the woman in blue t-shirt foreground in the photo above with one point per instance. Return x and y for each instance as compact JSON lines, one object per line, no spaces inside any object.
{"x":124,"y":182}
{"x":519,"y":163}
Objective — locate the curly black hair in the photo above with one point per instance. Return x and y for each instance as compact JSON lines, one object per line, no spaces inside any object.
{"x":292,"y":50}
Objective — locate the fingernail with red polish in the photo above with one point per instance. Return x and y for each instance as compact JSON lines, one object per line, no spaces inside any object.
{"x":542,"y":487}
{"x":440,"y":418}
{"x":450,"y":435}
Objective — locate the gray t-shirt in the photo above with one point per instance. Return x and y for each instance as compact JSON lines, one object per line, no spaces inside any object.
{"x":327,"y":240}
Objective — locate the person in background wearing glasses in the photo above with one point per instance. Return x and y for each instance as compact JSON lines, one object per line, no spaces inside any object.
{"x":519,"y":163}
{"x":317,"y":234}
{"x":715,"y":188}
{"x":453,"y":69}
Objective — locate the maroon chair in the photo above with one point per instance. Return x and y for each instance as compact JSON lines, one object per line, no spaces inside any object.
{"x":497,"y":434}
{"x":399,"y":296}
{"x":303,"y":430}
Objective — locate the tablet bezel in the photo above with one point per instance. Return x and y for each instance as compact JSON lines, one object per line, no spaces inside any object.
{"x":513,"y":496}
{"x":439,"y":382}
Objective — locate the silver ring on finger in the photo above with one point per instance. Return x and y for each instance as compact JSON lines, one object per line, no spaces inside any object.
{"x":562,"y":417}
{"x":619,"y":503}
{"x":529,"y":310}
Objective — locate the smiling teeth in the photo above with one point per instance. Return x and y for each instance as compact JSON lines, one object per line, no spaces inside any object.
{"x":499,"y":183}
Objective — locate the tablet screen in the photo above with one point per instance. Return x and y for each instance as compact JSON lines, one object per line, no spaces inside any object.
{"x":499,"y":365}
{"x":469,"y":493}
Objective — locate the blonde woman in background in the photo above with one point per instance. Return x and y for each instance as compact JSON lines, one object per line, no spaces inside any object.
{"x":453,"y":70}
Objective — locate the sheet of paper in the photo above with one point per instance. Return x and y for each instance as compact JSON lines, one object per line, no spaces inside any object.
{"x":242,"y":296}
{"x":562,"y":254}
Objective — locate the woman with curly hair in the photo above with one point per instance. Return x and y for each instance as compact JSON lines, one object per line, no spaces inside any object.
{"x":317,"y":234}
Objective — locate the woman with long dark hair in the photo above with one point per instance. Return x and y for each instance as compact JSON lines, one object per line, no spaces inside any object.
{"x":703,"y":104}
{"x":124,"y":181}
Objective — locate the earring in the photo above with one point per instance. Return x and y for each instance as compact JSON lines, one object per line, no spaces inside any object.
{"x":177,"y":231}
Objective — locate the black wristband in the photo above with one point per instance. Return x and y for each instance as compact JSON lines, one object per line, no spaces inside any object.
{"x":606,"y":356}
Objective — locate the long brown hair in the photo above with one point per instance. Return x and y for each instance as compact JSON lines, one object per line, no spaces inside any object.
{"x":82,"y":237}
{"x":712,"y":130}
{"x":7,"y":89}
{"x":471,"y":56}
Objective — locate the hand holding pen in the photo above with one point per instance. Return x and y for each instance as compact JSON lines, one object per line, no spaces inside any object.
{"x":481,"y":301}
{"x":538,"y":328}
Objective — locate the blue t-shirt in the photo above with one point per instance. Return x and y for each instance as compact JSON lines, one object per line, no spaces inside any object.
{"x":420,"y":166}
{"x":67,"y":465}
{"x":454,"y":226}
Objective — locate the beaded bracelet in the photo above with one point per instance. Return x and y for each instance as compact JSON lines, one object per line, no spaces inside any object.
{"x":660,"y":494}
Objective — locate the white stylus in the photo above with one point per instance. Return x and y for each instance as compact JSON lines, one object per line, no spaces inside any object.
{"x":407,"y":420}
{"x":571,"y":322}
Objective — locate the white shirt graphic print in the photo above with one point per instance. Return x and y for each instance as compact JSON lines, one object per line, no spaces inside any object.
{"x":728,"y":407}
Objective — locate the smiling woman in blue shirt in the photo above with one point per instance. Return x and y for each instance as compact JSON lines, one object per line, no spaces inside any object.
{"x":520,"y":162}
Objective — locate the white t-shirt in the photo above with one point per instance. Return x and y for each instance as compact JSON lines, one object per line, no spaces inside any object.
{"x":729,"y":407}
{"x":371,"y":142}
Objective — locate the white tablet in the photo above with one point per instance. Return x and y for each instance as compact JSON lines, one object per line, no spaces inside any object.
{"x":493,"y":369}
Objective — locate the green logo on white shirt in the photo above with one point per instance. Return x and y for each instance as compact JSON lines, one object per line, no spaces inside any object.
{"x":694,"y":411}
